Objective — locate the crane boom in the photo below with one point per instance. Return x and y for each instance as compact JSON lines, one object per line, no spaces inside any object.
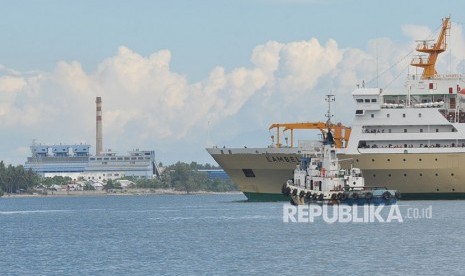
{"x":340,"y":132}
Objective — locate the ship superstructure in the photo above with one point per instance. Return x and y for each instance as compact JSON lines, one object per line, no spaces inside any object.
{"x":411,"y":139}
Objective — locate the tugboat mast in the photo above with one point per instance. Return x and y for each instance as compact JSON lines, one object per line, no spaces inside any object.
{"x":329,"y":136}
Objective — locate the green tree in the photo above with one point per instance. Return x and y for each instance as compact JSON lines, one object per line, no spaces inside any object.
{"x":182,"y":178}
{"x":109,"y":185}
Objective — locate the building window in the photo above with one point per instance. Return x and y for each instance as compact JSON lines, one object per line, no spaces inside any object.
{"x":403,"y":115}
{"x":389,"y":130}
{"x":248,"y":172}
{"x":367,"y":100}
{"x":405,"y":130}
{"x":419,"y":115}
{"x":421,"y":130}
{"x":372,"y":115}
{"x":360,"y":100}
{"x":388,"y":115}
{"x":437,"y":130}
{"x":373,"y":100}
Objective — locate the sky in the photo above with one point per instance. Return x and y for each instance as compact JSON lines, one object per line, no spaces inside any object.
{"x":178,"y":76}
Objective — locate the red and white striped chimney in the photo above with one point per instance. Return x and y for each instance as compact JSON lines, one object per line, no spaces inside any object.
{"x":98,"y":134}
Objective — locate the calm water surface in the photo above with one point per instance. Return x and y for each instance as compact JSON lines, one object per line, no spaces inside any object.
{"x":218,"y":235}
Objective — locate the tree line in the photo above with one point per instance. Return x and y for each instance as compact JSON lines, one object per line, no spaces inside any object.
{"x":187,"y":177}
{"x":15,"y":179}
{"x":180,"y":176}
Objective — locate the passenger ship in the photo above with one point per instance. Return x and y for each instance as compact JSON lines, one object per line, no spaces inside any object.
{"x":412,"y":140}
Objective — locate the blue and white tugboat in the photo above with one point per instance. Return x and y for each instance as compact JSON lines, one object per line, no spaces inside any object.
{"x":321,"y":179}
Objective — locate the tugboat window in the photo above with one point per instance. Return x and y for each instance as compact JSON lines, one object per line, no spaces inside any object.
{"x":248,"y":173}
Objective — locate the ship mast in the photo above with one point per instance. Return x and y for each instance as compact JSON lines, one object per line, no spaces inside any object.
{"x":432,"y":50}
{"x":329,"y":98}
{"x":328,"y":138}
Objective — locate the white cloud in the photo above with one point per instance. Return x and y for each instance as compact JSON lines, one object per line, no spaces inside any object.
{"x":416,"y":32}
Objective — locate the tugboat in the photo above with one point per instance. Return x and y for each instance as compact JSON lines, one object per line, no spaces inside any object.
{"x":321,"y":179}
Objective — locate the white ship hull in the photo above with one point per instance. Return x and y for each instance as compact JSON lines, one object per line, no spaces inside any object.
{"x":271,"y":168}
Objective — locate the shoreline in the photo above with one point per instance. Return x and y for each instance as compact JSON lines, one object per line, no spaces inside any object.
{"x":127,"y":192}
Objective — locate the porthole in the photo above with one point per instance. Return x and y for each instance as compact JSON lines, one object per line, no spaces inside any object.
{"x":451,"y":174}
{"x":389,"y":175}
{"x":356,"y":160}
{"x":436,"y":174}
{"x":389,"y":160}
{"x":405,"y":174}
{"x":435,"y":159}
{"x":419,"y":159}
{"x":421,"y":174}
{"x":372,"y":160}
{"x":374,"y":175}
{"x":437,"y":190}
{"x":453,"y":190}
{"x":404,"y":160}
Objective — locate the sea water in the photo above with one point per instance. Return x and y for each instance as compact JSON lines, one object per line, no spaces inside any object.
{"x":218,"y":235}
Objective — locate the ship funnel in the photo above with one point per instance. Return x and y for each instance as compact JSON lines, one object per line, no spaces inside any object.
{"x":98,"y":133}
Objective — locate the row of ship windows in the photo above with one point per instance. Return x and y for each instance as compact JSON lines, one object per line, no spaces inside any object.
{"x":119,"y":158}
{"x":389,"y":115}
{"x":366,"y":100}
{"x":374,"y":175}
{"x":132,"y":162}
{"x":365,"y":130}
{"x":389,"y":160}
{"x":364,"y":145}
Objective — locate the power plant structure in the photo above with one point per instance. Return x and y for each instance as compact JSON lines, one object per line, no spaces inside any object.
{"x":75,"y":160}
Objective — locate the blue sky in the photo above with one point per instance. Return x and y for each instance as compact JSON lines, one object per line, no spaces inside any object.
{"x":176,"y":76}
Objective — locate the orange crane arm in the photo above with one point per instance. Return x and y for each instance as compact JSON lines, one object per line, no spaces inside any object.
{"x":337,"y":130}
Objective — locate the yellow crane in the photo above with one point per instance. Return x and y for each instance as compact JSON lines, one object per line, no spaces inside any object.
{"x":432,"y":49}
{"x":340,"y":132}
